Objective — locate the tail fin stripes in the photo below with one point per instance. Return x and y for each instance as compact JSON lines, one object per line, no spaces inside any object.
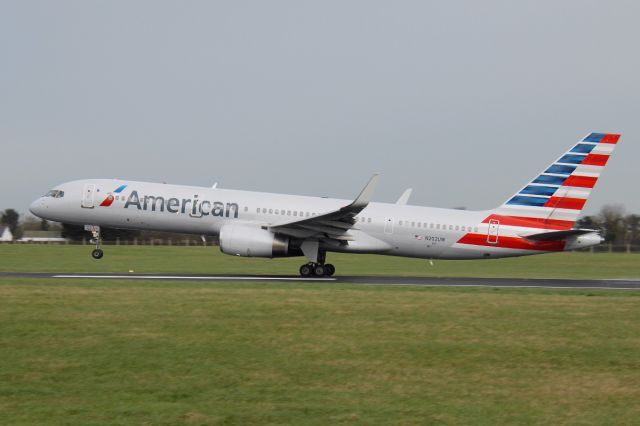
{"x":554,"y":199}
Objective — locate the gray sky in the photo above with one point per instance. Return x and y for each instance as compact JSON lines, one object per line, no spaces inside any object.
{"x":463,"y":101}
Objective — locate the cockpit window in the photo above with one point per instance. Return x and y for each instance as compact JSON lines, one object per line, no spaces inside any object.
{"x":55,"y":193}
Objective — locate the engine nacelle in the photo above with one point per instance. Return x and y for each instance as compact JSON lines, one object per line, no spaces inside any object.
{"x":252,"y":241}
{"x":582,"y":241}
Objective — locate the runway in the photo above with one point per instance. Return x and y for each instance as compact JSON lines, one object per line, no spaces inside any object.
{"x":621,"y":284}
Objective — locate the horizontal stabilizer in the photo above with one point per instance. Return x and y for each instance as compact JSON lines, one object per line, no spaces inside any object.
{"x":558,"y":235}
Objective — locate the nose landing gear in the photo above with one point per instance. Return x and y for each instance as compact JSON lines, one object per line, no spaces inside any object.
{"x":97,"y":253}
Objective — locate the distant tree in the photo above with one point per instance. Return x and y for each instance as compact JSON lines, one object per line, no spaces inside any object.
{"x":611,"y":218}
{"x":632,"y":223}
{"x":589,"y":222}
{"x":74,"y":232}
{"x":30,"y":223}
{"x":77,"y":233}
{"x":44,"y":225}
{"x":11,"y":218}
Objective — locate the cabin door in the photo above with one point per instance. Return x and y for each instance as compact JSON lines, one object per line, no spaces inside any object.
{"x":494,"y":229}
{"x":88,"y":195}
{"x":388,"y":225}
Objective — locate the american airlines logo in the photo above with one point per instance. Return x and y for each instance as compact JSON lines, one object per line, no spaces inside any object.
{"x":110,"y":197}
{"x":193,"y":206}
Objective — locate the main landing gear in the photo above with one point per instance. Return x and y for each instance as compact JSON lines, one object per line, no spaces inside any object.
{"x":316,"y":266}
{"x":97,"y":253}
{"x":317,"y":270}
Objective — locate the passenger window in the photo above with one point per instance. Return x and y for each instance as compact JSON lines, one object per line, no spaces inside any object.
{"x":264,"y":210}
{"x":457,"y":227}
{"x":369,"y":220}
{"x":438,"y":226}
{"x":295,"y":213}
{"x":288,"y":212}
{"x":475,"y":229}
{"x":400,"y":223}
{"x":270,"y":211}
{"x":258,"y":210}
{"x":246,"y":209}
{"x":413,"y":224}
{"x":450,"y":227}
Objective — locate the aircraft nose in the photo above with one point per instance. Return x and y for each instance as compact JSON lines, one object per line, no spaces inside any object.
{"x":37,"y":207}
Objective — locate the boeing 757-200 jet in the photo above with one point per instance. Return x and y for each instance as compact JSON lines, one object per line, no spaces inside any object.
{"x":538,"y":219}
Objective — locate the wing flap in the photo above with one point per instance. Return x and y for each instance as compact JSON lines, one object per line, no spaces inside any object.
{"x":321,"y":228}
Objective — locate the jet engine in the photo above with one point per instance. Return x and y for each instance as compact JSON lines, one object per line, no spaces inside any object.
{"x":253,"y":241}
{"x":582,"y":241}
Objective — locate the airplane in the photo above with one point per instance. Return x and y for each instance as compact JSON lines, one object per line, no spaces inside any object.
{"x":539,"y":218}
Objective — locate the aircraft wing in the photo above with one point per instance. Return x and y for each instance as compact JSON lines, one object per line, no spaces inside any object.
{"x":334,"y":224}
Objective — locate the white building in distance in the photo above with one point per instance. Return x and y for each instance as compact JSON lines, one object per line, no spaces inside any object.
{"x":5,"y":234}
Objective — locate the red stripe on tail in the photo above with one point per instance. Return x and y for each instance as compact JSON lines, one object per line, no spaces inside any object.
{"x":595,"y":160}
{"x":610,"y":138}
{"x":581,"y":181}
{"x":566,"y":203}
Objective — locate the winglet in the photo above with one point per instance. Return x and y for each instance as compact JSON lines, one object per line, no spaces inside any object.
{"x":367,"y":192}
{"x":404,"y":197}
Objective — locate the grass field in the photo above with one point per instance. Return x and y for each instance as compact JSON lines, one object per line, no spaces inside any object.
{"x":209,"y":260}
{"x":183,"y":353}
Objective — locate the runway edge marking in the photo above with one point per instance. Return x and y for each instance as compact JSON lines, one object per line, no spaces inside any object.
{"x":187,"y":278}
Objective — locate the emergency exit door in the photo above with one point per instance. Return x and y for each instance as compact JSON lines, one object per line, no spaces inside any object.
{"x":494,"y":230}
{"x":388,"y":225}
{"x":88,"y":196}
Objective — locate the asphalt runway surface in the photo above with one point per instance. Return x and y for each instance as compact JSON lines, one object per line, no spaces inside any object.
{"x":621,"y":284}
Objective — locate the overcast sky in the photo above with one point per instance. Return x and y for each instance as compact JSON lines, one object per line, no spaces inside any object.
{"x":464,"y":101}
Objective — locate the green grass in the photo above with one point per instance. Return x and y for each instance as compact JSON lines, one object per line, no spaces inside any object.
{"x":93,"y":352}
{"x":209,"y":260}
{"x":121,"y":352}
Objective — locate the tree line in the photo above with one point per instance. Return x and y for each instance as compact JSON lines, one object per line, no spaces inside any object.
{"x":614,"y":224}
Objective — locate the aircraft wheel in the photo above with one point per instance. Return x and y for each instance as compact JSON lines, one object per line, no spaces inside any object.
{"x":305,"y":270}
{"x":319,"y":270}
{"x":329,"y":269}
{"x":97,"y":254}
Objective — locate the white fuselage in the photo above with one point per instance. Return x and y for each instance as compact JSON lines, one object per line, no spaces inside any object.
{"x":389,"y":229}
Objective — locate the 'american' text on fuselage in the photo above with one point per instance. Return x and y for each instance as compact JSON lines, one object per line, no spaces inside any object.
{"x":194,"y":207}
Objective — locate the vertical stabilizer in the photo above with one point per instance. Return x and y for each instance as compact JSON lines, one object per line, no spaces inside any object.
{"x":555,"y":198}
